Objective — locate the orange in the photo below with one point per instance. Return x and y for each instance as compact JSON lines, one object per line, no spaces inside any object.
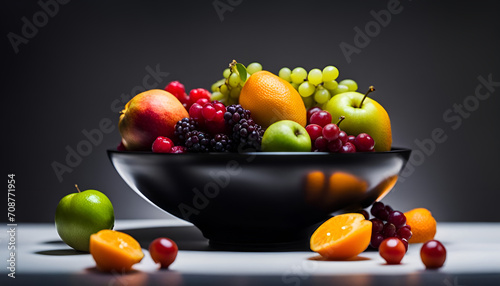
{"x":272,"y":99}
{"x":115,"y":251}
{"x":423,"y":225}
{"x":342,"y":237}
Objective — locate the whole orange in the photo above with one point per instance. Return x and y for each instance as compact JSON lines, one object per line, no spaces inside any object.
{"x":271,"y":99}
{"x":423,"y":225}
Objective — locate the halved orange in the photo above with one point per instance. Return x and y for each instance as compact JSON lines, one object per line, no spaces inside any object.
{"x":342,"y":237}
{"x":115,"y":251}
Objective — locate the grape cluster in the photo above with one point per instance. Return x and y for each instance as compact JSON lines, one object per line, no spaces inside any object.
{"x":213,"y":127}
{"x":327,"y":137}
{"x":178,"y":90}
{"x":317,"y":86}
{"x":227,"y":90}
{"x":388,"y":223}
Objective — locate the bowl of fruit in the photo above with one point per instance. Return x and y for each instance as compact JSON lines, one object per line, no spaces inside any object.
{"x":262,"y":167}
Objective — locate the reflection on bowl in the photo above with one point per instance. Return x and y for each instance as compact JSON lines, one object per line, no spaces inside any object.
{"x":259,"y":198}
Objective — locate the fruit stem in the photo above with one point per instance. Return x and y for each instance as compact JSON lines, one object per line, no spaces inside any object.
{"x":370,"y":89}
{"x":232,"y":64}
{"x":341,"y":118}
{"x":76,"y":186}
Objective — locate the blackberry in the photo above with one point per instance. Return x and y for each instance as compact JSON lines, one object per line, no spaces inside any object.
{"x":221,"y":143}
{"x":247,"y":134}
{"x":197,"y":142}
{"x":182,"y":128}
{"x":234,"y":113}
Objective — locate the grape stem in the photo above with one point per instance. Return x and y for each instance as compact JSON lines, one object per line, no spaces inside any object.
{"x":341,"y":118}
{"x":76,"y":186}
{"x":370,"y":89}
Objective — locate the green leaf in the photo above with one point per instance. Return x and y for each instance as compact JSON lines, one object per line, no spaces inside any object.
{"x":242,"y":70}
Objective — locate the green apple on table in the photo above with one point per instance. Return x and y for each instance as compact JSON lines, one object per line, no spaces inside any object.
{"x":286,"y":136}
{"x":79,"y":215}
{"x":362,"y":115}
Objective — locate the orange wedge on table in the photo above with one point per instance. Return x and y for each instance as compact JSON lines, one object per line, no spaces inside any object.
{"x":342,"y":237}
{"x":115,"y":251}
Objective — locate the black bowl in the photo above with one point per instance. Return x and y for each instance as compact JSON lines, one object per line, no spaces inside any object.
{"x":259,"y":199}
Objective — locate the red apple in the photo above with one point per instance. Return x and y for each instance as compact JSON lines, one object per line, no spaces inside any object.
{"x":148,"y":115}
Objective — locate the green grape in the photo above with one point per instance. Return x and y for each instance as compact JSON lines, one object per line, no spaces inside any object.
{"x":254,"y":67}
{"x":330,"y":73}
{"x":351,"y":84}
{"x":340,"y":89}
{"x":298,"y":75}
{"x":306,"y":89}
{"x":234,"y":79}
{"x":285,"y":73}
{"x":315,"y":76}
{"x":330,"y":85}
{"x":215,"y":86}
{"x":295,"y":85}
{"x":216,"y":95}
{"x":235,"y":92}
{"x":224,"y":89}
{"x":321,"y":95}
{"x":308,"y":101}
{"x":226,"y":73}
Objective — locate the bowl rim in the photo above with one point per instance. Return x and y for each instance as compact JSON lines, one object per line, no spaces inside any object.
{"x":262,"y":154}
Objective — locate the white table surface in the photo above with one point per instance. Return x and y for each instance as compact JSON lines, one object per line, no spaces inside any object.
{"x":473,"y":258}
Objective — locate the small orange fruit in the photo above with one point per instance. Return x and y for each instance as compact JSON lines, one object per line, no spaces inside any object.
{"x":342,"y":237}
{"x":114,"y":251}
{"x":423,"y":225}
{"x":272,"y":99}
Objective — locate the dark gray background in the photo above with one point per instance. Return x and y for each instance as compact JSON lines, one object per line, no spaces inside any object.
{"x":425,"y":60}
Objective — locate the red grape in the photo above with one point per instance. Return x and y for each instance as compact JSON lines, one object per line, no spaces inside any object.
{"x":164,"y":251}
{"x":433,"y":254}
{"x":198,"y":93}
{"x":343,"y":137}
{"x":397,"y":218}
{"x":321,"y":118}
{"x":377,"y":225}
{"x":376,"y":207}
{"x":331,"y":131}
{"x":348,"y":148}
{"x":392,"y":250}
{"x":376,"y":240}
{"x":405,"y":243}
{"x":196,"y":112}
{"x":364,"y":142}
{"x":335,"y":145}
{"x":351,"y":139}
{"x":314,"y":131}
{"x":176,"y":88}
{"x":404,"y":232}
{"x":162,"y":145}
{"x":389,"y":230}
{"x":321,"y":143}
{"x":178,"y":150}
{"x":310,"y":112}
{"x":209,"y":112}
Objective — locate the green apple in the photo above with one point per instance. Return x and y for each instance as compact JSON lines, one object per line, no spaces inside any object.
{"x":79,"y":215}
{"x":286,"y":136}
{"x":362,"y":115}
